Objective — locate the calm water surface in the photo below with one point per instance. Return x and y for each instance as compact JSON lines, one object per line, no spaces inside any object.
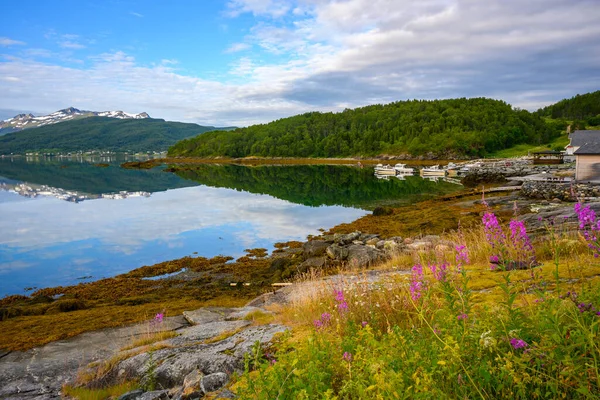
{"x":69,"y":221}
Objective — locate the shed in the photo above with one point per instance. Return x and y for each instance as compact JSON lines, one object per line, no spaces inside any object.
{"x":548,"y":157}
{"x":588,"y":162}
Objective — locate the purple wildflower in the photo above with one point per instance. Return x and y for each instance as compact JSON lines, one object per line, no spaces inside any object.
{"x":462,"y":256}
{"x":364,"y":324}
{"x":159,"y":317}
{"x":518,"y":343}
{"x":590,"y":225}
{"x":493,"y":231}
{"x":417,"y":282}
{"x":347,"y":356}
{"x":325,"y":317}
{"x":462,"y":316}
{"x":318,"y":324}
{"x":342,"y":304}
{"x":521,"y":241}
{"x":439,"y":273}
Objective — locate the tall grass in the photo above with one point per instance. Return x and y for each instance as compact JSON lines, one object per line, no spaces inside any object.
{"x":447,"y":326}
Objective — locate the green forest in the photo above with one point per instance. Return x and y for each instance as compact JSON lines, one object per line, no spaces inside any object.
{"x":582,"y":109}
{"x":442,"y":128}
{"x":100,"y":133}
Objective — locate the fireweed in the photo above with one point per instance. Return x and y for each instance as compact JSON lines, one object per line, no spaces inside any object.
{"x":589,"y":225}
{"x":514,"y":253}
{"x":421,"y":338}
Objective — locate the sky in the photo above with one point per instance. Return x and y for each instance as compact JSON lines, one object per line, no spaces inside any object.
{"x":242,"y":62}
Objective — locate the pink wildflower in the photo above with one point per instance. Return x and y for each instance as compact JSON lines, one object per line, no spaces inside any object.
{"x":347,"y":356}
{"x":518,"y":343}
{"x":417,"y":283}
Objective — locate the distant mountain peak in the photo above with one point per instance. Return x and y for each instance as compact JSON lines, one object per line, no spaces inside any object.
{"x":25,"y":121}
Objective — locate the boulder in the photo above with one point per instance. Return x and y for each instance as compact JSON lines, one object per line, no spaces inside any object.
{"x":214,"y":382}
{"x":154,"y":395}
{"x":315,"y":248}
{"x":337,"y":252}
{"x":191,"y":382}
{"x":346,"y":239}
{"x":362,"y":256}
{"x":314,"y":263}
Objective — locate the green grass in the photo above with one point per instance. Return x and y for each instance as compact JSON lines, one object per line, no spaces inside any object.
{"x":525,"y":149}
{"x":113,"y":392}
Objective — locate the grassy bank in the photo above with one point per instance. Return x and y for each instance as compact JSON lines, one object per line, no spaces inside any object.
{"x":459,"y":322}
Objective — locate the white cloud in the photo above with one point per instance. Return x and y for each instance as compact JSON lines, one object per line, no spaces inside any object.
{"x":272,"y":8}
{"x":6,"y":42}
{"x":336,"y":54}
{"x":135,"y":14}
{"x":236,"y":47}
{"x":67,"y":44}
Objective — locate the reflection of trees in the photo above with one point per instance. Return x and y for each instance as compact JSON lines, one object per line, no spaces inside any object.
{"x":85,"y":177}
{"x":314,"y":185}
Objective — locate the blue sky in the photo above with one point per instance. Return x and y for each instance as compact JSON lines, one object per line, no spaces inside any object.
{"x":239,"y":62}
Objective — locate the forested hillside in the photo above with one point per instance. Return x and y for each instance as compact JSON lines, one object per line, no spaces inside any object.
{"x":100,"y":133}
{"x":580,"y":107}
{"x":467,"y":127}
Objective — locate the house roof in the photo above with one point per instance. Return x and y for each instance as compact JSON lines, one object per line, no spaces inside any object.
{"x":579,"y":138}
{"x":588,"y":148}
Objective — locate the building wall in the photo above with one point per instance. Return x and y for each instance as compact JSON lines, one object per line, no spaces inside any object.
{"x":587,"y":167}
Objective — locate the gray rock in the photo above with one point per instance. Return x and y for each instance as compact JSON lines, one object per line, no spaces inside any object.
{"x":313,"y":262}
{"x":214,"y":382}
{"x":206,"y":331}
{"x":373,"y":241}
{"x":226,"y":394}
{"x":133,"y":395}
{"x":43,"y":371}
{"x":204,"y":315}
{"x":346,"y":239}
{"x":192,"y":380}
{"x":154,"y":395}
{"x":391,"y":246}
{"x":241,"y":313}
{"x":362,"y":256}
{"x":337,"y":252}
{"x":315,"y":248}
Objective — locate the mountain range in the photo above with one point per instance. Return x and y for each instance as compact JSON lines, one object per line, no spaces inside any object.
{"x":25,"y":121}
{"x":113,"y":131}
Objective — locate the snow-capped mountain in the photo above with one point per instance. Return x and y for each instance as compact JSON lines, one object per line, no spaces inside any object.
{"x":25,"y":121}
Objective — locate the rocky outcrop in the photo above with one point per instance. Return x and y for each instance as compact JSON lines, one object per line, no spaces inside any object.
{"x":560,"y":191}
{"x":210,"y":346}
{"x":498,"y":172}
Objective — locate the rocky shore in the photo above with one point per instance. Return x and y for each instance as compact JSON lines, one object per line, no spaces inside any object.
{"x":206,"y":346}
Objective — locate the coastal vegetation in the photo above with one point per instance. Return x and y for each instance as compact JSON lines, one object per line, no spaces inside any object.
{"x":582,"y":108}
{"x":497,"y":314}
{"x":452,"y":128}
{"x":101,"y":133}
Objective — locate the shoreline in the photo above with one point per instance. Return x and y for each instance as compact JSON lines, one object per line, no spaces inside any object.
{"x":130,"y":298}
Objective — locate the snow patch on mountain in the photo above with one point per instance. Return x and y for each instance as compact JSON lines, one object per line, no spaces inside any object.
{"x":25,"y":121}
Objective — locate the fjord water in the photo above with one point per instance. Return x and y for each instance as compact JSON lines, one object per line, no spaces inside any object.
{"x":150,"y":216}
